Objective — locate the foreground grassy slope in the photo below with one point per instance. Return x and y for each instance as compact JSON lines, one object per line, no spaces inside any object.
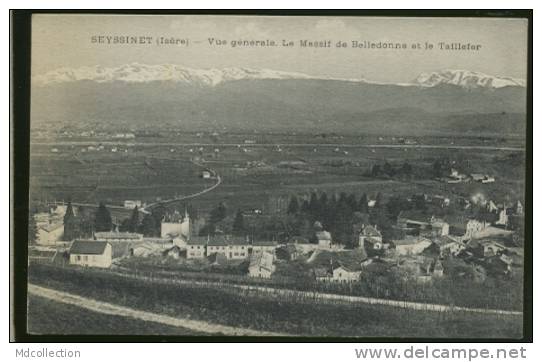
{"x":48,"y":317}
{"x":282,"y":314}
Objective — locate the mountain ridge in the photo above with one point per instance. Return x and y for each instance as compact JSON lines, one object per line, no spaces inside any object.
{"x":143,"y":73}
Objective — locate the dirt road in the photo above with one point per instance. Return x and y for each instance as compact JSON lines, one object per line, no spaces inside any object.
{"x":117,"y":310}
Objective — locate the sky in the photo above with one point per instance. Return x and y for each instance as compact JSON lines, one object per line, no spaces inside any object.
{"x":65,"y":41}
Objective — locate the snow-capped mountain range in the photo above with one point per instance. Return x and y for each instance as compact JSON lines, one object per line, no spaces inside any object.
{"x":142,"y":73}
{"x":466,"y":79}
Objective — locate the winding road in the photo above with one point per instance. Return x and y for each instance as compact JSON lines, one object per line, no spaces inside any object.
{"x":148,"y":207}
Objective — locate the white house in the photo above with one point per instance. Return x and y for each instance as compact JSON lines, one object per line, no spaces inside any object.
{"x":261,"y":265}
{"x":324,"y":239}
{"x":131,"y":204}
{"x":345,"y":274}
{"x":493,"y":248}
{"x":439,"y":227}
{"x":267,"y":246}
{"x":411,"y":245}
{"x":217,"y":245}
{"x":503,"y":218}
{"x":175,"y":225}
{"x":369,"y":231}
{"x":473,"y":227}
{"x":206,"y":174}
{"x":195,"y":248}
{"x":452,"y":248}
{"x":91,"y":253}
{"x":238,"y":248}
{"x":49,"y":234}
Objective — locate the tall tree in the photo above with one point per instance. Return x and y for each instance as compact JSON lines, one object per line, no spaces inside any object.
{"x":239,"y":224}
{"x":133,"y":225}
{"x":71,"y":224}
{"x":375,"y":171}
{"x":102,"y":220}
{"x":218,"y":213}
{"x":69,"y":213}
{"x":314,"y":205}
{"x":148,"y":226}
{"x":388,"y":169}
{"x":293,"y":206}
{"x":406,"y":170}
{"x":363,"y":206}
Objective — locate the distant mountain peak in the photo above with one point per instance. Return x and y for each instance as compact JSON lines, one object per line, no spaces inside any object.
{"x":466,"y":79}
{"x":141,"y":73}
{"x":144,"y":73}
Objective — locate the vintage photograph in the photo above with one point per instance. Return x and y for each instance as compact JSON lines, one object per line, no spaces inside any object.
{"x":278,"y":176}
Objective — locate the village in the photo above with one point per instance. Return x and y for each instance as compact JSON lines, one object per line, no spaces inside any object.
{"x":422,"y":244}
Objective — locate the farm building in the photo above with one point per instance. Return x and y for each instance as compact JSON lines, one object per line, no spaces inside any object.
{"x":217,"y":245}
{"x":415,"y":222}
{"x":195,"y":248}
{"x":232,"y":247}
{"x":91,"y":253}
{"x":324,"y":239}
{"x":175,"y":225}
{"x":346,"y":274}
{"x":411,"y":245}
{"x":473,"y":227}
{"x":452,"y":248}
{"x":337,"y":265}
{"x":174,"y":252}
{"x":302,"y":244}
{"x":238,"y":248}
{"x":130,"y":204}
{"x":492,"y":248}
{"x":338,"y":273}
{"x":49,"y":234}
{"x":369,"y":231}
{"x":261,"y":265}
{"x":268,"y":246}
{"x":206,"y":174}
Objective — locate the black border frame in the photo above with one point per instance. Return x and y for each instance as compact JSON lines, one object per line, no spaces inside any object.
{"x":20,"y":56}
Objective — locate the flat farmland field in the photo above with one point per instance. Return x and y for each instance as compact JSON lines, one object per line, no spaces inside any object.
{"x":112,"y":177}
{"x":253,"y":174}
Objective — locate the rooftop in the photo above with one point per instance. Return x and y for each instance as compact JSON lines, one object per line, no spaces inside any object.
{"x":369,"y":230}
{"x":264,"y":243}
{"x":91,"y":247}
{"x":261,"y":259}
{"x":117,"y":235}
{"x":323,"y":235}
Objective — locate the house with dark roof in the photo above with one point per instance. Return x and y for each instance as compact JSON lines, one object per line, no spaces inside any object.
{"x":346,"y":273}
{"x":217,"y":244}
{"x":117,"y":236}
{"x":195,"y":247}
{"x":91,"y":253}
